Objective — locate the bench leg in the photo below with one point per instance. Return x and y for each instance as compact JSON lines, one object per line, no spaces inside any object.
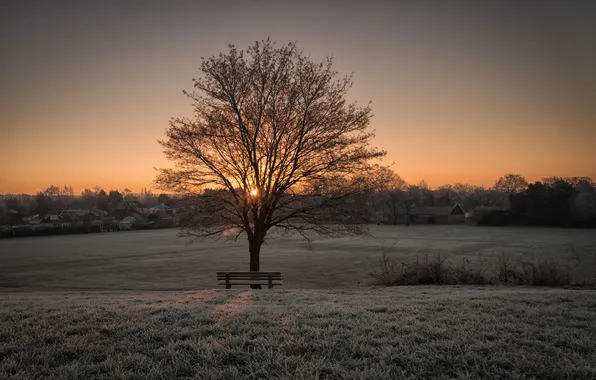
{"x":228,"y":286}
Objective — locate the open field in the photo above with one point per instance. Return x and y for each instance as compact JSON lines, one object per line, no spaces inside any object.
{"x":384,"y":333}
{"x":158,"y":260}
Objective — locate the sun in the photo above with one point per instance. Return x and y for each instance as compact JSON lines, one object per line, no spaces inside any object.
{"x":253,"y":192}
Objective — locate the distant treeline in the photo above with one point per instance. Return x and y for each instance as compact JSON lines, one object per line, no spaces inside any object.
{"x":554,"y":201}
{"x":56,"y":199}
{"x":562,"y":202}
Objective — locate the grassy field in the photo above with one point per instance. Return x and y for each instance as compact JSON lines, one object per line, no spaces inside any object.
{"x":158,"y":260}
{"x":383,"y":333}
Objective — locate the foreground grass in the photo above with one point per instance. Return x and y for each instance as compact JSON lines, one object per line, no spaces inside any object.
{"x":409,"y":332}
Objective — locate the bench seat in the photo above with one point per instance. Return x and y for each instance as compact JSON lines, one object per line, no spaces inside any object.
{"x":249,"y":278}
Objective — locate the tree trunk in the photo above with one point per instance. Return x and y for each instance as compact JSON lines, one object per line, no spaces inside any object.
{"x":407,"y":219}
{"x":255,"y":252}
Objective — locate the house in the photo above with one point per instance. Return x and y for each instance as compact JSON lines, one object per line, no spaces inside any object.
{"x":438,"y":215}
{"x":128,"y":219}
{"x":127,"y":223}
{"x":160,"y":211}
{"x":79,"y":217}
{"x":48,"y":221}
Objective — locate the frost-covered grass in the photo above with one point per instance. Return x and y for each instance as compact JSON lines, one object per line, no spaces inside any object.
{"x":158,"y":260}
{"x":382,"y":333}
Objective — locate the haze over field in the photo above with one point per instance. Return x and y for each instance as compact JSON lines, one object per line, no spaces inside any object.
{"x":158,"y":260}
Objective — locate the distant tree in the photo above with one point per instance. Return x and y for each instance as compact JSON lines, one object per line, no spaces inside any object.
{"x":273,"y":130}
{"x":489,"y":198}
{"x":410,"y":196}
{"x":42,"y":203}
{"x":88,"y":194}
{"x":511,"y":184}
{"x":580,"y":181}
{"x":114,"y":197}
{"x":148,"y":198}
{"x":584,"y":201}
{"x":87,"y":200}
{"x":127,"y":194}
{"x":399,"y":197}
{"x":13,"y":204}
{"x":465,"y":189}
{"x":52,"y":191}
{"x":64,"y":198}
{"x":445,"y":196}
{"x":427,"y":198}
{"x":67,"y":191}
{"x":60,"y":197}
{"x":163,"y":199}
{"x":546,"y":203}
{"x":101,"y":200}
{"x":573,"y":181}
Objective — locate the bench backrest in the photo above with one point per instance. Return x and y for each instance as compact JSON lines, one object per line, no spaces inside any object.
{"x":253,"y":276}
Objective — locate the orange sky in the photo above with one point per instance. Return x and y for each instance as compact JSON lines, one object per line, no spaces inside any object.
{"x":459,"y":93}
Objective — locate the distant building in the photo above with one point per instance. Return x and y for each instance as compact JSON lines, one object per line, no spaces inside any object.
{"x":438,"y":215}
{"x":80,"y":217}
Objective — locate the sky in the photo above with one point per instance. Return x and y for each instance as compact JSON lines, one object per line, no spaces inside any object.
{"x":461,"y":91}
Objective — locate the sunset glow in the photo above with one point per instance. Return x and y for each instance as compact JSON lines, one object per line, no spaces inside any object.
{"x":459,"y":93}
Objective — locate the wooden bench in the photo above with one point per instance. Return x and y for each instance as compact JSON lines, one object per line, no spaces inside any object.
{"x":249,"y":278}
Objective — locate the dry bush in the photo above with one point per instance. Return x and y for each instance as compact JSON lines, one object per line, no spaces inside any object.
{"x":434,"y":268}
{"x":466,"y":274}
{"x":546,"y":273}
{"x":387,"y":271}
{"x":507,"y":269}
{"x":425,"y":269}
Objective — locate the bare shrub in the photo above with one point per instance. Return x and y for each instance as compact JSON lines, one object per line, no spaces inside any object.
{"x":545,"y":273}
{"x":435,"y":269}
{"x":432,"y":269}
{"x":387,"y":271}
{"x":507,"y":269}
{"x":425,"y":269}
{"x":466,"y":274}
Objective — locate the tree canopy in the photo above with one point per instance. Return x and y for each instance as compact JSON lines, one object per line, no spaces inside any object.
{"x":274,"y":136}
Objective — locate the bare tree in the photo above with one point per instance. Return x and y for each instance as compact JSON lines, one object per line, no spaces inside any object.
{"x":399,"y":197}
{"x":273,"y":135}
{"x":584,"y":199}
{"x":126,"y":194}
{"x":511,"y":183}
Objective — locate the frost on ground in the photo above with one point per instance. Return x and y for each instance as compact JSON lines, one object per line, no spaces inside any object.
{"x":384,"y":333}
{"x":158,"y":260}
